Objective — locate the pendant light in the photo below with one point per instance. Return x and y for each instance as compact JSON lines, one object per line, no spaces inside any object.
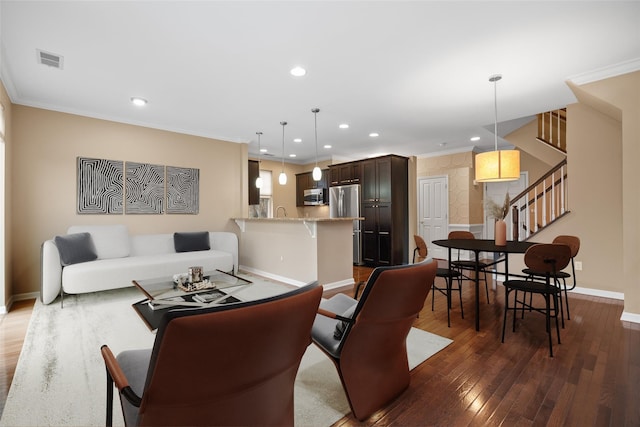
{"x":282,"y":179}
{"x":317,"y":173}
{"x":259,"y":178}
{"x":497,"y":165}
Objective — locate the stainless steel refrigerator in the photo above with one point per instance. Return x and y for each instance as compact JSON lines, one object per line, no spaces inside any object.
{"x":344,"y":202}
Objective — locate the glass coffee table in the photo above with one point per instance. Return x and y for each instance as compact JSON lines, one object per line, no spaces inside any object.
{"x":163,"y":294}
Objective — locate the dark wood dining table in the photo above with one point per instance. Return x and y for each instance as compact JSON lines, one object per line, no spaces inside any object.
{"x":484,"y":245}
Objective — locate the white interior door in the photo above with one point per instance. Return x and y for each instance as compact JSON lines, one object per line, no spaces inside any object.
{"x":433,"y":213}
{"x":496,"y":191}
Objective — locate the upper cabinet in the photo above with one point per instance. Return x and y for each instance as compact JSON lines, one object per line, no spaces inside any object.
{"x":305,"y":181}
{"x":345,"y":173}
{"x":254,"y":173}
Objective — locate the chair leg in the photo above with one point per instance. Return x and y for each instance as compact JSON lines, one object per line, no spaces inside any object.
{"x":460,"y":295}
{"x":486,"y":286}
{"x":555,"y":311}
{"x":566,"y":298}
{"x":506,"y":308}
{"x":515,"y":308}
{"x":548,"y":317}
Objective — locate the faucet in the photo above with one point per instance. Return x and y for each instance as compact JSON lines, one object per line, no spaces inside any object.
{"x":283,"y":209}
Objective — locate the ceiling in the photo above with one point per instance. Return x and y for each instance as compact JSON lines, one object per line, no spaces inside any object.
{"x":416,"y":72}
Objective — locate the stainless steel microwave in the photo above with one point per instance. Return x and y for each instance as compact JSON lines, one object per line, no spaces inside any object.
{"x":314,"y":196}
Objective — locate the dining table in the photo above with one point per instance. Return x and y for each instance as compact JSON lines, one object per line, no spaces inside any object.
{"x":484,"y":245}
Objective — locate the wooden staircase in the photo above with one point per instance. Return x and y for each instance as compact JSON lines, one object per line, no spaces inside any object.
{"x":546,"y":200}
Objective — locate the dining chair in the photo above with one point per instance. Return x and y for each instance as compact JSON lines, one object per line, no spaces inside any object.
{"x":470,"y":265}
{"x":366,"y":339}
{"x":232,"y":364}
{"x":546,"y":259}
{"x":420,"y":253}
{"x":574,"y":244}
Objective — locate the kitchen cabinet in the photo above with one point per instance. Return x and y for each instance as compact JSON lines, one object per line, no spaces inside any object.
{"x":384,"y":206}
{"x":305,"y":181}
{"x":254,"y":173}
{"x":345,"y":173}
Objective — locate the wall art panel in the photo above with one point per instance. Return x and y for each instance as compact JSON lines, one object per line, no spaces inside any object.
{"x":183,"y":188}
{"x":100,"y":186}
{"x":144,"y":188}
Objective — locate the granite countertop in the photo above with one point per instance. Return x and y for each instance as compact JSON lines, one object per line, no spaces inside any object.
{"x":303,"y":219}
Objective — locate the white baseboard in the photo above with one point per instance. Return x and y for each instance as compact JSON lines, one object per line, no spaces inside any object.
{"x":271,"y":276}
{"x":339,"y":284}
{"x":599,"y":293}
{"x":18,"y":297}
{"x":289,"y":281}
{"x":630,"y":317}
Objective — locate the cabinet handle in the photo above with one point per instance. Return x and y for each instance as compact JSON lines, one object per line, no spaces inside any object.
{"x":386,"y":233}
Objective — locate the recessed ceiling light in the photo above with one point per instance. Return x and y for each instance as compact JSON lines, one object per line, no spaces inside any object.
{"x":475,"y":138}
{"x":138,"y":102}
{"x":263,"y":150}
{"x":297,"y":140}
{"x":344,"y":126}
{"x":327,"y":146}
{"x":292,"y":155}
{"x":298,"y":71}
{"x":374,"y":134}
{"x":443,"y":144}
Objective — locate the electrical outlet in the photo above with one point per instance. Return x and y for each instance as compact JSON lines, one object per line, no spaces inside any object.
{"x":579,"y":265}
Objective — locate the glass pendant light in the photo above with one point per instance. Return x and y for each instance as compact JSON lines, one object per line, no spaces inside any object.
{"x":317,"y":173}
{"x":259,"y":178}
{"x":497,"y":165}
{"x":282,"y":178}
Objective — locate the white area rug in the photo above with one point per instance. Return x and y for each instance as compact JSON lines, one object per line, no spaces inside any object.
{"x":60,"y":377}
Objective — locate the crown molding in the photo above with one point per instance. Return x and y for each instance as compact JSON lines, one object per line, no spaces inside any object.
{"x":605,"y":72}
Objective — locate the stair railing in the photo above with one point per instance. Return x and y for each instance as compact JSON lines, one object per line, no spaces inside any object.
{"x":540,"y":204}
{"x":552,"y":129}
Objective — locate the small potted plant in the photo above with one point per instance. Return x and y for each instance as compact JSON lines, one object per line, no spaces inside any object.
{"x":499,"y":213}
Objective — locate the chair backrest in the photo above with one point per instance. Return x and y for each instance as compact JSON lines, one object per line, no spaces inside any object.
{"x":373,"y":363}
{"x":421,"y":248}
{"x":460,"y":234}
{"x":389,"y":304}
{"x":572,"y":241}
{"x":229,"y":365}
{"x":547,"y":258}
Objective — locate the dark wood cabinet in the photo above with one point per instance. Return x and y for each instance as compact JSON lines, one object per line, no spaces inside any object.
{"x":305,"y":181}
{"x":254,"y":173}
{"x":345,"y":173}
{"x":385,"y":201}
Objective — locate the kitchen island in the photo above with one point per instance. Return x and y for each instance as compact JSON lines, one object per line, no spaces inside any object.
{"x":298,"y":250}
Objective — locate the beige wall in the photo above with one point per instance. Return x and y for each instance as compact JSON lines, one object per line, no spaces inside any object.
{"x":5,"y":204}
{"x":43,"y":180}
{"x":620,"y":97}
{"x":465,"y":199}
{"x":597,"y":153}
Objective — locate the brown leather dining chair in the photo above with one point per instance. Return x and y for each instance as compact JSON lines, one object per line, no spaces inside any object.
{"x":232,"y":364}
{"x":366,"y":339}
{"x":422,"y":252}
{"x":547,"y":259}
{"x":470,"y":265}
{"x":574,"y":244}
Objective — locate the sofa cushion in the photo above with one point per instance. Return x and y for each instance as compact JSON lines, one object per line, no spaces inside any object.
{"x":189,"y":242}
{"x":111,"y":241}
{"x":104,"y":274}
{"x":75,"y":248}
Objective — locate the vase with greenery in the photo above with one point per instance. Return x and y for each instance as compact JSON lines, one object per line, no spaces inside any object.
{"x":499,"y":213}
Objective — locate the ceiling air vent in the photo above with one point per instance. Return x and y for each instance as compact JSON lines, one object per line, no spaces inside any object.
{"x":50,"y":59}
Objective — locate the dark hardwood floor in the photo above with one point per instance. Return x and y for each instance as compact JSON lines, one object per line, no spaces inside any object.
{"x":593,"y":380}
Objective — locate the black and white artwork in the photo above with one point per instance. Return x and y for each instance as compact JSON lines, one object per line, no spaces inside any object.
{"x":100,"y":186}
{"x":144,"y":188}
{"x":183,"y":187}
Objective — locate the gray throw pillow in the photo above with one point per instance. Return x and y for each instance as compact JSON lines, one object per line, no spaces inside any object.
{"x":189,"y":242}
{"x":342,"y":325}
{"x":75,"y":248}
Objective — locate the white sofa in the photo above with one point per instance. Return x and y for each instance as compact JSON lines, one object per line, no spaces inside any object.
{"x":122,"y":257}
